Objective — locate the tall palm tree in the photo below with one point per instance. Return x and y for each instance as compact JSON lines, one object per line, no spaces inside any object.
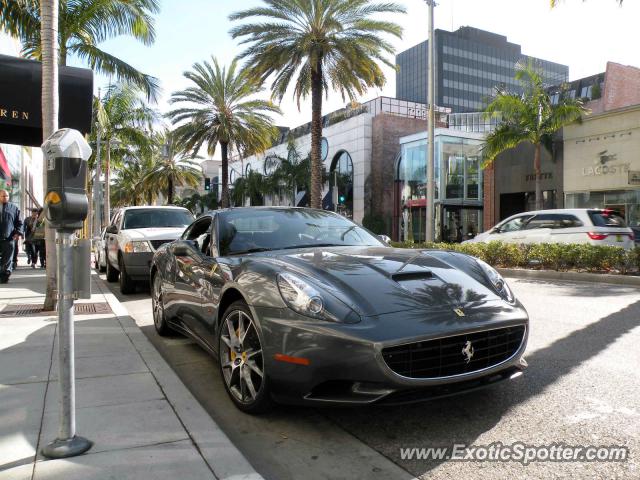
{"x":83,"y":25}
{"x":530,"y":117}
{"x":219,"y":109}
{"x":170,"y":170}
{"x":124,"y":120}
{"x":48,"y":34}
{"x":130,"y":187}
{"x":319,"y":45}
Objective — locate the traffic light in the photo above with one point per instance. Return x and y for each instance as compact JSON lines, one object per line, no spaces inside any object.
{"x":342,"y":198}
{"x":207,"y":184}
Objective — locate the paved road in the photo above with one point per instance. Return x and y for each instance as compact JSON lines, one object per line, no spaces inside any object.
{"x":582,"y":388}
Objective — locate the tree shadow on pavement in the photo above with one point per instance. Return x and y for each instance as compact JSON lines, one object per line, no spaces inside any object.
{"x":461,"y":420}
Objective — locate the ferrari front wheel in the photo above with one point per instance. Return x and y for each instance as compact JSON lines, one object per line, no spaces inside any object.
{"x":242,"y":360}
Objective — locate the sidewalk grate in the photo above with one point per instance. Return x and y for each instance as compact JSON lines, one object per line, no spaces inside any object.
{"x":28,"y":309}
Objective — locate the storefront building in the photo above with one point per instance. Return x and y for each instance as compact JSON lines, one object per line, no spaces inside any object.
{"x":360,"y":146}
{"x":458,"y":193}
{"x":602,"y":163}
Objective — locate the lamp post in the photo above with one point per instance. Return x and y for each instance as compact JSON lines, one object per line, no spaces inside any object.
{"x":430,"y":129}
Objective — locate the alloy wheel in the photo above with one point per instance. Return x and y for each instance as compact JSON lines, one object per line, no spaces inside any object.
{"x":241,"y":357}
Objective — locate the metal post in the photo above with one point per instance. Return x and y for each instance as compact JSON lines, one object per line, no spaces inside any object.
{"x":430,"y":126}
{"x":97,"y":225}
{"x":67,"y":444}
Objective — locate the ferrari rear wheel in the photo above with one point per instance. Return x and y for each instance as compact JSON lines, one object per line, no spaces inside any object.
{"x":242,"y":361}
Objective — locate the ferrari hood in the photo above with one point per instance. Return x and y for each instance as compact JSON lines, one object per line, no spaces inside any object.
{"x":379,"y":280}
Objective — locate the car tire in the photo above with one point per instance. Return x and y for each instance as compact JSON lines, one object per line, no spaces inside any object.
{"x":157,"y":306}
{"x":112,"y":273}
{"x":127,"y":285}
{"x":241,"y":360}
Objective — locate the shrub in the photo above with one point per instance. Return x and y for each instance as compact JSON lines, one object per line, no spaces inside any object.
{"x":555,"y":256}
{"x":374,"y":222}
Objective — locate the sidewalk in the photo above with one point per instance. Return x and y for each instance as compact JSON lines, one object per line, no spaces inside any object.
{"x":143,"y":421}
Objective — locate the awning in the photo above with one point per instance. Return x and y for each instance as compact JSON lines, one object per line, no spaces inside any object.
{"x":21,"y":104}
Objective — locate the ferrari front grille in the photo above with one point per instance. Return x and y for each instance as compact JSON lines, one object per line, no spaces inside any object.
{"x":456,"y":355}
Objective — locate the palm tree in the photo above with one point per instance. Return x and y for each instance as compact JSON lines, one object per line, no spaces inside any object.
{"x":83,"y":25}
{"x":49,"y":122}
{"x":124,"y":120}
{"x":528,"y":117}
{"x":323,"y":44}
{"x":130,"y":187}
{"x":170,"y":170}
{"x":253,"y":186}
{"x":218,"y":110}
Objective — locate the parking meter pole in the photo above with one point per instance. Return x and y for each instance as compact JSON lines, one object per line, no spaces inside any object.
{"x":67,"y":444}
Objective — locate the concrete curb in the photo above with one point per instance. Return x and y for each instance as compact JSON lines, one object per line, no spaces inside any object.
{"x":224,"y":459}
{"x":571,"y":276}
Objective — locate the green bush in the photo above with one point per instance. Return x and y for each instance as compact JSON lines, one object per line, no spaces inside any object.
{"x":374,"y":222}
{"x":553,"y":256}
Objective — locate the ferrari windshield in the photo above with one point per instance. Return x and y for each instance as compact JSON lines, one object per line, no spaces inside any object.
{"x":247,"y":230}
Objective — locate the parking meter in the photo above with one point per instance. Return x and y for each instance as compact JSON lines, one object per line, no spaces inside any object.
{"x":66,"y":153}
{"x":66,"y":204}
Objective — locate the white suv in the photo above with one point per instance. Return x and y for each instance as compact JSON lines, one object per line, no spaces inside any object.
{"x":592,"y":226}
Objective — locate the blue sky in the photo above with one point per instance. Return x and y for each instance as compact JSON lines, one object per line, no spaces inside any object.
{"x":583,"y":35}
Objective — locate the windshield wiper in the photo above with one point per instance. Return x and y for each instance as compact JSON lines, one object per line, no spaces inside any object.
{"x":313,"y":245}
{"x":251,"y":250}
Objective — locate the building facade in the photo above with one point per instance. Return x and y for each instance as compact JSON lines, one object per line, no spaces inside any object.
{"x":602,"y":162}
{"x":360,"y":146}
{"x":469,"y":63}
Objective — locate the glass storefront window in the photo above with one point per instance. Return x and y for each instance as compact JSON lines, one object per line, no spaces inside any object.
{"x":461,"y":158}
{"x":341,"y":175}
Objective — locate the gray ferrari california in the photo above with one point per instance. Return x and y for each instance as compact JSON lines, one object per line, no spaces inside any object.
{"x":305,"y":306}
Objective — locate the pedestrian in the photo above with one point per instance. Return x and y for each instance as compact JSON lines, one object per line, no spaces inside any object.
{"x":10,"y":232}
{"x":29,"y":242}
{"x":38,"y":240}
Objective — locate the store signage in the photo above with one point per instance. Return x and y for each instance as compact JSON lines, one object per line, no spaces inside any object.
{"x":634,"y":177}
{"x":21,"y":104}
{"x":530,"y":177}
{"x":617,"y":169}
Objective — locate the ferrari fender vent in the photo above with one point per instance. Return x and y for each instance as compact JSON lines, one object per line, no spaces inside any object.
{"x":156,"y":244}
{"x":456,"y":355}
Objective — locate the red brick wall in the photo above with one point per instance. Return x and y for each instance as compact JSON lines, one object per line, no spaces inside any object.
{"x":621,"y":86}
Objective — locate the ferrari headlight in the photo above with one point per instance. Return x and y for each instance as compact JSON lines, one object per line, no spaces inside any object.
{"x":137,"y":247}
{"x":299,"y":295}
{"x":498,"y":282}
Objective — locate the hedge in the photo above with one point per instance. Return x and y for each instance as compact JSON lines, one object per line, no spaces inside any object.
{"x":554,"y":256}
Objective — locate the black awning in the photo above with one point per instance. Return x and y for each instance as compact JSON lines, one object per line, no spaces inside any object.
{"x":21,"y":105}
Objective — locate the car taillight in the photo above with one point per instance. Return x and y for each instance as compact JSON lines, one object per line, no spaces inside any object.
{"x":597,"y":236}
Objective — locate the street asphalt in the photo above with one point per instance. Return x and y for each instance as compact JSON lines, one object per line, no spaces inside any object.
{"x":582,"y":388}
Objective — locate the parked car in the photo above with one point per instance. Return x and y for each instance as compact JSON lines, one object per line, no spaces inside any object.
{"x":305,"y":306}
{"x":99,"y":256}
{"x":592,"y":226}
{"x":134,"y":235}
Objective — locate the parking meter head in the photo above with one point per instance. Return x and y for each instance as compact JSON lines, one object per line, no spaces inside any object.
{"x":66,"y":153}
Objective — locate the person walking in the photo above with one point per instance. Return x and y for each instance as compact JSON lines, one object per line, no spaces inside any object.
{"x":10,"y":231}
{"x":29,"y":242}
{"x":38,"y":240}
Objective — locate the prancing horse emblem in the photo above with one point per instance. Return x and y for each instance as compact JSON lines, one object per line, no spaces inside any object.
{"x":459,"y":312}
{"x":467,"y":351}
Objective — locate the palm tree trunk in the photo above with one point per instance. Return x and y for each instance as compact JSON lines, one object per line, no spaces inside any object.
{"x":538,"y":171}
{"x":316,"y":136}
{"x":225,"y":174}
{"x":107,"y":182}
{"x":49,"y":36}
{"x":170,"y":191}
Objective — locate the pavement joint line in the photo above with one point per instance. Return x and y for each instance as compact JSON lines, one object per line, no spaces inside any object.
{"x":122,"y":314}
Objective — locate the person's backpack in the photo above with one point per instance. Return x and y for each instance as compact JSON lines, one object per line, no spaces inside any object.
{"x":38,"y":233}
